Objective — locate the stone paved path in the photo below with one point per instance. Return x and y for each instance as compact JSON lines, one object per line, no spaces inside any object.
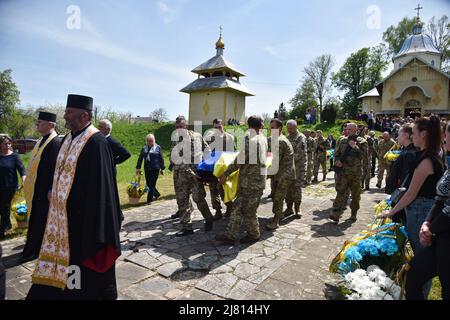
{"x":290,"y":263}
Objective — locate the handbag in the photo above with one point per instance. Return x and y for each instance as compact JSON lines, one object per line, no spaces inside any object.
{"x":399,"y":193}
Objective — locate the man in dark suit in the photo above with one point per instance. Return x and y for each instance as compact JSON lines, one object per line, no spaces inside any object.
{"x":119,"y":152}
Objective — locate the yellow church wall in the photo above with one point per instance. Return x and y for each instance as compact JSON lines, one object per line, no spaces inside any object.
{"x":207,"y":105}
{"x":235,"y":107}
{"x":432,"y":82}
{"x":370,"y":103}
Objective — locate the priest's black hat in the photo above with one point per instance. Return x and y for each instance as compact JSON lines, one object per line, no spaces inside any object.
{"x":47,"y":116}
{"x":79,"y":102}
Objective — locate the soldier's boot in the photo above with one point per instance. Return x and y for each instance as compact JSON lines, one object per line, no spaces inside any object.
{"x":353,"y":216}
{"x":314,"y":180}
{"x":324,"y":177}
{"x":298,"y":214}
{"x":274,"y":224}
{"x":223,"y":238}
{"x":175,"y":215}
{"x":208,"y":225}
{"x":218,"y":215}
{"x":288,"y":210}
{"x":334,"y":216}
{"x":248,"y":239}
{"x":184,"y":232}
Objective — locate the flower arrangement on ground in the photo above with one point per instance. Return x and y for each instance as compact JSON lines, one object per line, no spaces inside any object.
{"x":382,"y":245}
{"x":135,"y":190}
{"x":372,"y":284}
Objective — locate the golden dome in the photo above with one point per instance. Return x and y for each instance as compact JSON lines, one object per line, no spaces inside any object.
{"x":220,"y":44}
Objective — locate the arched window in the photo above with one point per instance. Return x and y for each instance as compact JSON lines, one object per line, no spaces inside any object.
{"x":399,"y":65}
{"x":432,"y":63}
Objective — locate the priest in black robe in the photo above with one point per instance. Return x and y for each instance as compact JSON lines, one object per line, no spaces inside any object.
{"x":45,"y":125}
{"x":93,"y":214}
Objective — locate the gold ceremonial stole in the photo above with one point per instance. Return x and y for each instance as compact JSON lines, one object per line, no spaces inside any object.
{"x":33,"y":164}
{"x":53,"y":262}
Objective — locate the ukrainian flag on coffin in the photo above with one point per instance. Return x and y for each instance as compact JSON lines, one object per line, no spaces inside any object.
{"x":215,"y":166}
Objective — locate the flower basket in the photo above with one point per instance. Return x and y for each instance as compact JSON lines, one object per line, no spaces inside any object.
{"x":21,"y":214}
{"x":383,"y":246}
{"x":132,"y":200}
{"x":135,"y":190}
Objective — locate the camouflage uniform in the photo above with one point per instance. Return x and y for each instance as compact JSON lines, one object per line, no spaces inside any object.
{"x":252,"y":181}
{"x":383,"y":148}
{"x":285,"y":175}
{"x":367,"y":175}
{"x":354,"y":160}
{"x":294,"y":196}
{"x":227,"y":145}
{"x":311,"y":147}
{"x":184,"y":171}
{"x":321,"y":157}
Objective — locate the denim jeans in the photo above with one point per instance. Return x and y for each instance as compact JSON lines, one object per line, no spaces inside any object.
{"x":416,"y":213}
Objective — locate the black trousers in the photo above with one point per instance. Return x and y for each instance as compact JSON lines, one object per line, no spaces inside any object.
{"x":6,"y":197}
{"x":151,"y":176}
{"x":94,"y":286}
{"x":331,"y":163}
{"x":428,"y":263}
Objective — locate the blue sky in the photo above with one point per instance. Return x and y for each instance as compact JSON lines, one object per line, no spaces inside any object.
{"x":134,"y":56}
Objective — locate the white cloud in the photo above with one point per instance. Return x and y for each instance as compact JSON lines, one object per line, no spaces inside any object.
{"x":274,"y":52}
{"x":168,"y":13}
{"x":100,"y":47}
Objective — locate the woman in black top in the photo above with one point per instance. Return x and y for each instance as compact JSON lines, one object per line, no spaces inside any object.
{"x":151,"y":153}
{"x":424,"y":174}
{"x":10,"y":164}
{"x":434,"y":259}
{"x":402,"y":165}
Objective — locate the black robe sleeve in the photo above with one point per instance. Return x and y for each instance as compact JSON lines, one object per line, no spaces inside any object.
{"x":93,"y":207}
{"x":120,"y":153}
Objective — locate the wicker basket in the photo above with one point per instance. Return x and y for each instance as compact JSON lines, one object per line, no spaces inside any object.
{"x":22,"y":224}
{"x":133,"y":200}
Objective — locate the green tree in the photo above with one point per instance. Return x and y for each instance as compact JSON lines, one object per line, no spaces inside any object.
{"x":318,"y":71}
{"x":9,"y":98}
{"x":360,"y":72}
{"x":329,"y":112}
{"x":282,"y":112}
{"x":303,"y":99}
{"x":21,"y":124}
{"x":439,"y":31}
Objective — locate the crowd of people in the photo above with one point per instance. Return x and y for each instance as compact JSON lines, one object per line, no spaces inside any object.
{"x":71,"y":190}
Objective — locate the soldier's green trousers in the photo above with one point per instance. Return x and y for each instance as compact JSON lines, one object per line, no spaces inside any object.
{"x":345,"y":185}
{"x":309,"y":167}
{"x":244,"y":212}
{"x":281,"y":187}
{"x":294,"y":195}
{"x":382,"y":166}
{"x":320,"y":161}
{"x":217,"y":194}
{"x":184,"y":188}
